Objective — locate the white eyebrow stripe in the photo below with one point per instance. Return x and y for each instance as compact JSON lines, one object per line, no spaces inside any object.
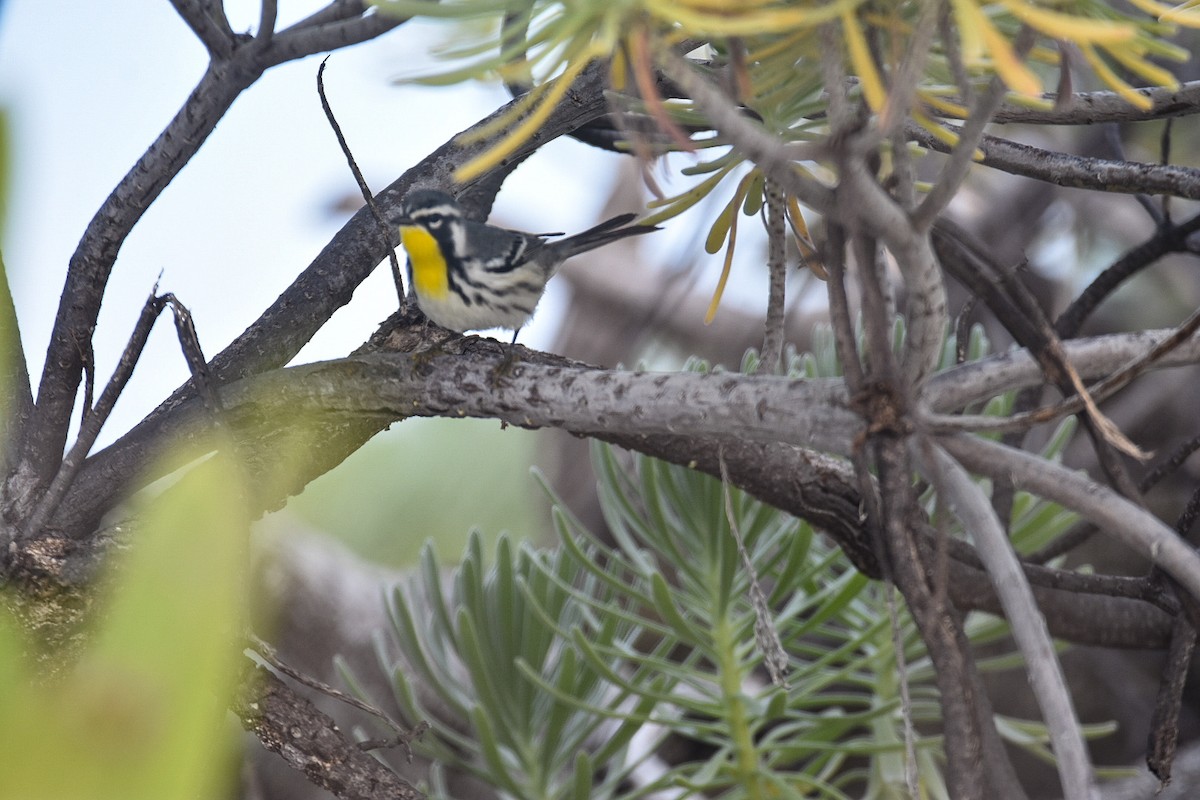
{"x":434,"y":211}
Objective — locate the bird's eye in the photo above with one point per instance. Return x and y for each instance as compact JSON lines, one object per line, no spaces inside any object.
{"x":434,"y":220}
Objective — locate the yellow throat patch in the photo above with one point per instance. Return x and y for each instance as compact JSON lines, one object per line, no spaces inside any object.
{"x":428,"y":265}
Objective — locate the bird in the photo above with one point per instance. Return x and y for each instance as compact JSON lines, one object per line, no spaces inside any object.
{"x":469,"y":275}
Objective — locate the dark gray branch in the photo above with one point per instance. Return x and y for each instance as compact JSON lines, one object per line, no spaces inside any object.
{"x":1080,"y":172}
{"x":208,"y":21}
{"x":347,"y":401}
{"x":1088,"y":108}
{"x":311,"y":742}
{"x":298,"y":42}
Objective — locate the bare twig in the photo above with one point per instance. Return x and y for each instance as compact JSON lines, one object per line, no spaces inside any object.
{"x":1168,"y":239}
{"x":954,"y":171}
{"x":266,"y":22}
{"x":839,"y":308}
{"x":953,"y":667}
{"x":1169,"y":464}
{"x":1164,"y":724}
{"x":368,"y":195}
{"x":97,"y":416}
{"x":1093,"y":357}
{"x":310,"y":742}
{"x":1112,"y":136}
{"x":902,"y":88}
{"x":774,"y":211}
{"x":926,"y":310}
{"x":1118,"y":517}
{"x":962,"y":330}
{"x":189,"y":345}
{"x":94,"y":420}
{"x":403,"y":737}
{"x":949,"y":38}
{"x":208,"y":22}
{"x":969,"y":504}
{"x":766,"y":636}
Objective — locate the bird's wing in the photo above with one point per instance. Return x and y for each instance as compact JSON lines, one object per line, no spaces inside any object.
{"x":509,"y":249}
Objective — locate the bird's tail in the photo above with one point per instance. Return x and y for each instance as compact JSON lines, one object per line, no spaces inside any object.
{"x":608,"y":231}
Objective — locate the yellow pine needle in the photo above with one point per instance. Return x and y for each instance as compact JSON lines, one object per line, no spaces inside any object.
{"x":674,"y":206}
{"x":864,"y":65}
{"x":618,"y":70}
{"x":979,"y":34}
{"x":1111,"y":79}
{"x":505,"y":120}
{"x":1009,"y":66}
{"x":970,"y":35}
{"x":808,"y":250}
{"x":799,"y":226}
{"x":1140,"y":66}
{"x":947,"y":107}
{"x":1070,"y":27}
{"x":752,"y":23}
{"x":1186,"y":14}
{"x":889,"y":22}
{"x":727,"y":219}
{"x":941,"y":133}
{"x":716,"y":300}
{"x":534,"y":120}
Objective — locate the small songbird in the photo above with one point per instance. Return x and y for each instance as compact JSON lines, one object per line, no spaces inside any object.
{"x":468,"y":275}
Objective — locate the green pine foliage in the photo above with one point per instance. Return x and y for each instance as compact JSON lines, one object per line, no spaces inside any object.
{"x":573,"y":672}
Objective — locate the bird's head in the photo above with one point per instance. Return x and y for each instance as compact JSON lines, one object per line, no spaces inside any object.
{"x":429,"y":209}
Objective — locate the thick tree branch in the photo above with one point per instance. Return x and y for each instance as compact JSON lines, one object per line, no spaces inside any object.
{"x":1169,"y":238}
{"x":348,"y":401}
{"x":208,"y":21}
{"x":310,"y":742}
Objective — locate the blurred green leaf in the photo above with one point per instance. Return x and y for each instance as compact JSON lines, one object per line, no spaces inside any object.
{"x":140,"y":714}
